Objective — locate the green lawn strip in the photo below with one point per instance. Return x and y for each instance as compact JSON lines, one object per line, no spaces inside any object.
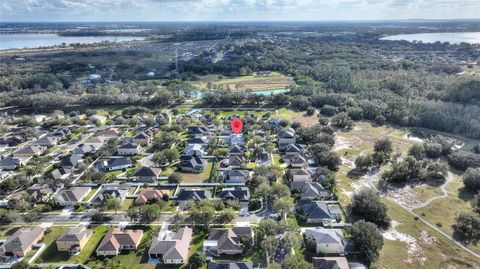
{"x":89,"y":195}
{"x":51,"y":255}
{"x":49,"y":240}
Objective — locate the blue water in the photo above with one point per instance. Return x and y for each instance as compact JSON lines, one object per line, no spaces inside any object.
{"x":19,"y":41}
{"x":269,"y":92}
{"x":452,"y":38}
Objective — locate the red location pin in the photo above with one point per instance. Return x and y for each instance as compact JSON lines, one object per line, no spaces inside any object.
{"x":236,"y":125}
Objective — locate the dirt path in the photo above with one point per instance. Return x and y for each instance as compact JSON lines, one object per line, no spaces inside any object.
{"x":444,"y":195}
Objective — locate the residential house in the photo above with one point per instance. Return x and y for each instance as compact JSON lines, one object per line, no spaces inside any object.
{"x":325,"y":241}
{"x":163,"y":118}
{"x":70,"y":162}
{"x":35,"y":193}
{"x":84,"y":149}
{"x":191,"y":195}
{"x":195,"y":149}
{"x":73,"y":239}
{"x":117,"y":240}
{"x":198,"y":140}
{"x":298,"y":161}
{"x":118,"y":192}
{"x":192,"y":164}
{"x":72,"y":195}
{"x":237,"y":176}
{"x":230,"y":265}
{"x":108,"y":133}
{"x":198,"y":131}
{"x":293,"y":149}
{"x":146,"y":174}
{"x":21,"y":242}
{"x":97,"y":118}
{"x":285,"y":137}
{"x":330,"y":263}
{"x":128,"y":149}
{"x":171,"y":248}
{"x":48,"y":141}
{"x":114,"y":164}
{"x":11,"y":163}
{"x":28,"y":151}
{"x":142,"y":139}
{"x":226,"y":240}
{"x":299,"y":175}
{"x":317,"y":212}
{"x":234,"y":139}
{"x":61,"y":133}
{"x":95,"y":142}
{"x":241,"y":194}
{"x":150,"y":196}
{"x":236,"y":150}
{"x":58,"y":173}
{"x":237,"y":161}
{"x":310,"y":190}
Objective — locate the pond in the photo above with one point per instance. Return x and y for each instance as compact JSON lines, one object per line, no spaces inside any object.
{"x":452,"y":38}
{"x":19,"y":41}
{"x":269,"y":92}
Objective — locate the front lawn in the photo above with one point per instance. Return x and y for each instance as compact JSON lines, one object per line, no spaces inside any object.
{"x":198,"y":178}
{"x":51,"y":255}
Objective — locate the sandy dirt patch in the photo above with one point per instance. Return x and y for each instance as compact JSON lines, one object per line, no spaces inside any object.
{"x":415,"y":252}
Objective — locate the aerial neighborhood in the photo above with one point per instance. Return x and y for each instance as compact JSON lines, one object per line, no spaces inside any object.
{"x":184,"y":189}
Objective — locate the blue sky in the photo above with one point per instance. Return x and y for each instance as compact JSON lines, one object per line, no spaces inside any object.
{"x":234,"y":10}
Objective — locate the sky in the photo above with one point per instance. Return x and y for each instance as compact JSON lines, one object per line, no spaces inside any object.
{"x":234,"y":10}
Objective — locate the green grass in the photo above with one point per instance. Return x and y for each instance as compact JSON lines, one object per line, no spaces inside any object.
{"x":277,"y":159}
{"x":198,"y":177}
{"x":131,"y":259}
{"x":89,"y":195}
{"x":51,"y":255}
{"x":394,"y":253}
{"x":127,"y":204}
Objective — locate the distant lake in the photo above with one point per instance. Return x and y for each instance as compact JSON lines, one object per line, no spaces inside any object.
{"x":19,"y":41}
{"x":452,"y":38}
{"x":269,"y":92}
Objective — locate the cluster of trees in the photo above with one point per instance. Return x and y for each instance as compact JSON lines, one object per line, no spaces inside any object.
{"x":411,"y":169}
{"x":369,"y":212}
{"x":204,"y":213}
{"x":147,"y":213}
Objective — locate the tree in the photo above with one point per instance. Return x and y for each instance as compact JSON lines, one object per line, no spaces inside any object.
{"x":325,"y":157}
{"x":23,"y":264}
{"x":437,"y":170}
{"x":226,"y":215}
{"x":463,"y":160}
{"x":202,"y":215}
{"x":175,"y":178}
{"x":296,"y":261}
{"x":383,"y":150}
{"x":310,"y":111}
{"x":367,"y":239}
{"x":342,"y":120}
{"x":433,"y":150}
{"x":111,"y":203}
{"x":197,"y":260}
{"x":283,"y":206}
{"x":270,"y":245}
{"x":405,"y":171}
{"x":476,"y":203}
{"x":417,"y":150}
{"x":366,"y":205}
{"x":467,"y":228}
{"x":471,"y":179}
{"x":364,"y":162}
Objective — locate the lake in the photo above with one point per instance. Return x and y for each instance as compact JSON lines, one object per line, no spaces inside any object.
{"x":453,"y":38}
{"x":18,"y":41}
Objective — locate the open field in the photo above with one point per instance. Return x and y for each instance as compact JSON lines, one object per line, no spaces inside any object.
{"x":243,"y":83}
{"x":416,"y":245}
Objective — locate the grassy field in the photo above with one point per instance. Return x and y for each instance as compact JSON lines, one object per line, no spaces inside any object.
{"x":417,"y":245}
{"x":198,"y":177}
{"x":242,"y":83}
{"x":51,"y":255}
{"x":429,"y":250}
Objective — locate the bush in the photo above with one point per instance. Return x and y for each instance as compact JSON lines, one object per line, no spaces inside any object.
{"x":462,"y":160}
{"x":471,"y":179}
{"x":366,"y":205}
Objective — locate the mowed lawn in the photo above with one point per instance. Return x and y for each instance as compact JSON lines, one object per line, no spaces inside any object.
{"x":131,"y":259}
{"x":51,"y":255}
{"x":198,"y":177}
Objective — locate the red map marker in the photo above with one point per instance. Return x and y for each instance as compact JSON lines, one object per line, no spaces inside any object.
{"x":236,"y":125}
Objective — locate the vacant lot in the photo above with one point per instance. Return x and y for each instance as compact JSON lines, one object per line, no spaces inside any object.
{"x":244,"y":83}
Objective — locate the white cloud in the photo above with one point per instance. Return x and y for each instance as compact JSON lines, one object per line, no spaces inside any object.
{"x":124,"y":10}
